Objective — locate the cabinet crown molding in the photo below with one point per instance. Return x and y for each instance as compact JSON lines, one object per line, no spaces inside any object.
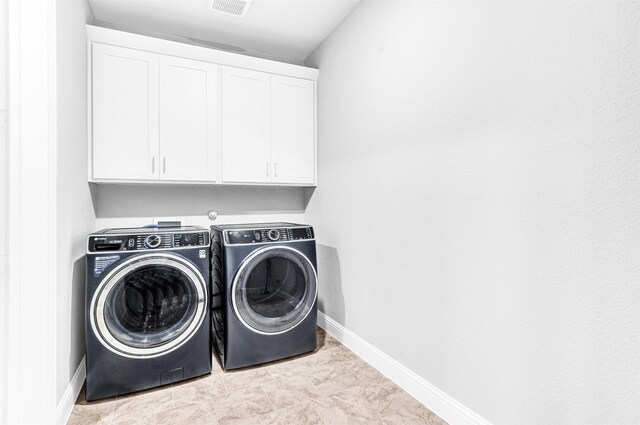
{"x":96,"y":34}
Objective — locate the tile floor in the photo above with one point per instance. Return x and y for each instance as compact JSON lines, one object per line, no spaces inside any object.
{"x":330,"y":386}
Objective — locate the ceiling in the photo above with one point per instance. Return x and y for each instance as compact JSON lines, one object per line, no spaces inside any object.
{"x":287,"y":30}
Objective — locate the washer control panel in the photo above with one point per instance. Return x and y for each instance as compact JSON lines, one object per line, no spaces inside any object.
{"x":269,"y":235}
{"x":146,"y":242}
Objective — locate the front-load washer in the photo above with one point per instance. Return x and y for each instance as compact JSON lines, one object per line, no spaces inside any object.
{"x":264,"y":292}
{"x":147,"y":308}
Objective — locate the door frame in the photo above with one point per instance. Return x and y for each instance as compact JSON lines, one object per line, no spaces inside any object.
{"x":4,"y":162}
{"x":32,"y":212}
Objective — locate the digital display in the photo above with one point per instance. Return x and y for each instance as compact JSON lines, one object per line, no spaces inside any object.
{"x":303,"y":233}
{"x":240,"y":236}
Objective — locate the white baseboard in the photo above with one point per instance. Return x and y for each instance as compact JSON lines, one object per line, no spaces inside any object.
{"x":63,"y":411}
{"x":443,"y":405}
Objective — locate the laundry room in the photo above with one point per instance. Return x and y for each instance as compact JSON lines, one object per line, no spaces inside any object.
{"x":319,"y":212}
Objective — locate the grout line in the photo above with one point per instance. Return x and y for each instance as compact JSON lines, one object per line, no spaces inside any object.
{"x":316,"y":387}
{"x":268,"y":399}
{"x":316,"y":412}
{"x":224,"y":384}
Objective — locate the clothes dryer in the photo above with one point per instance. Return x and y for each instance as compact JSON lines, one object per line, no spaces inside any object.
{"x":264,"y":292}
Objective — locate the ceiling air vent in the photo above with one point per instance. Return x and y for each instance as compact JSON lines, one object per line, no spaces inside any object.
{"x":230,"y":7}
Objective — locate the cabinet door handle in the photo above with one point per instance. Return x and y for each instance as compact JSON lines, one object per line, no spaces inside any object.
{"x":164,"y":165}
{"x":275,"y":169}
{"x":153,"y":164}
{"x":267,"y":169}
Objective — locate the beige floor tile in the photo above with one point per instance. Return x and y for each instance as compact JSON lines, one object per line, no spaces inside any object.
{"x":367,"y":374}
{"x":193,"y":414}
{"x":241,"y":405}
{"x":345,"y":408}
{"x":408,"y":420}
{"x":250,"y":420}
{"x":396,"y":406}
{"x":330,"y":380}
{"x":143,"y":403}
{"x":379,"y":395}
{"x":240,"y":379}
{"x":302,"y":414}
{"x":92,"y":413}
{"x":325,"y":340}
{"x":290,"y":391}
{"x":345,"y":366}
{"x":294,"y":366}
{"x":134,"y":419}
{"x":330,"y":356}
{"x":198,"y":390}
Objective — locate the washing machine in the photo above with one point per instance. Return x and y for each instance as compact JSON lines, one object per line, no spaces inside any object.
{"x":264,"y":292}
{"x":147,"y":308}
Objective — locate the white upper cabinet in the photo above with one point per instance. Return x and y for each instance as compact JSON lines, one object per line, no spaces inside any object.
{"x":268,"y":128}
{"x":189,"y":111}
{"x":245,"y":126}
{"x":167,"y":112}
{"x":293,"y":144}
{"x":125,"y":117}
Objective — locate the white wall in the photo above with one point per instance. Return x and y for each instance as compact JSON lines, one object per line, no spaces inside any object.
{"x":76,"y":217}
{"x":478,"y":208}
{"x":139,"y":205}
{"x":3,"y":208}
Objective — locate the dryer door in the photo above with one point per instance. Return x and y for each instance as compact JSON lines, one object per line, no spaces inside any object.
{"x":274,"y":290}
{"x":149,"y":305}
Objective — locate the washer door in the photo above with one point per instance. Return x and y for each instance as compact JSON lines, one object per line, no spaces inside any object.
{"x":274,"y":290}
{"x":149,"y":305}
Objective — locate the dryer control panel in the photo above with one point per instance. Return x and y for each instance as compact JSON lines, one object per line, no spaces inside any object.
{"x":268,"y":235}
{"x":139,"y":241}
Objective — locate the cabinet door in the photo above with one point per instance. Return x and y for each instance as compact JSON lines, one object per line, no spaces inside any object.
{"x":189,"y":111}
{"x":125,"y":113}
{"x":245,"y":126}
{"x":293,"y":147}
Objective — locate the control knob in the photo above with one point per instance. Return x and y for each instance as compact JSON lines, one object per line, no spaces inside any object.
{"x":152,"y":241}
{"x":274,"y":235}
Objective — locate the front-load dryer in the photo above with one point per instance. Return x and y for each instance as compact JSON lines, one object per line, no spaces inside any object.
{"x":147,"y":308}
{"x":264,"y":292}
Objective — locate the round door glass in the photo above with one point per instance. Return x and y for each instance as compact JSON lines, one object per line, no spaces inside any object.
{"x":274,"y":290}
{"x":150,"y":306}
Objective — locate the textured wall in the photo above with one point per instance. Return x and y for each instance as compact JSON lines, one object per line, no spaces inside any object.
{"x":76,"y":216}
{"x":478,"y":207}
